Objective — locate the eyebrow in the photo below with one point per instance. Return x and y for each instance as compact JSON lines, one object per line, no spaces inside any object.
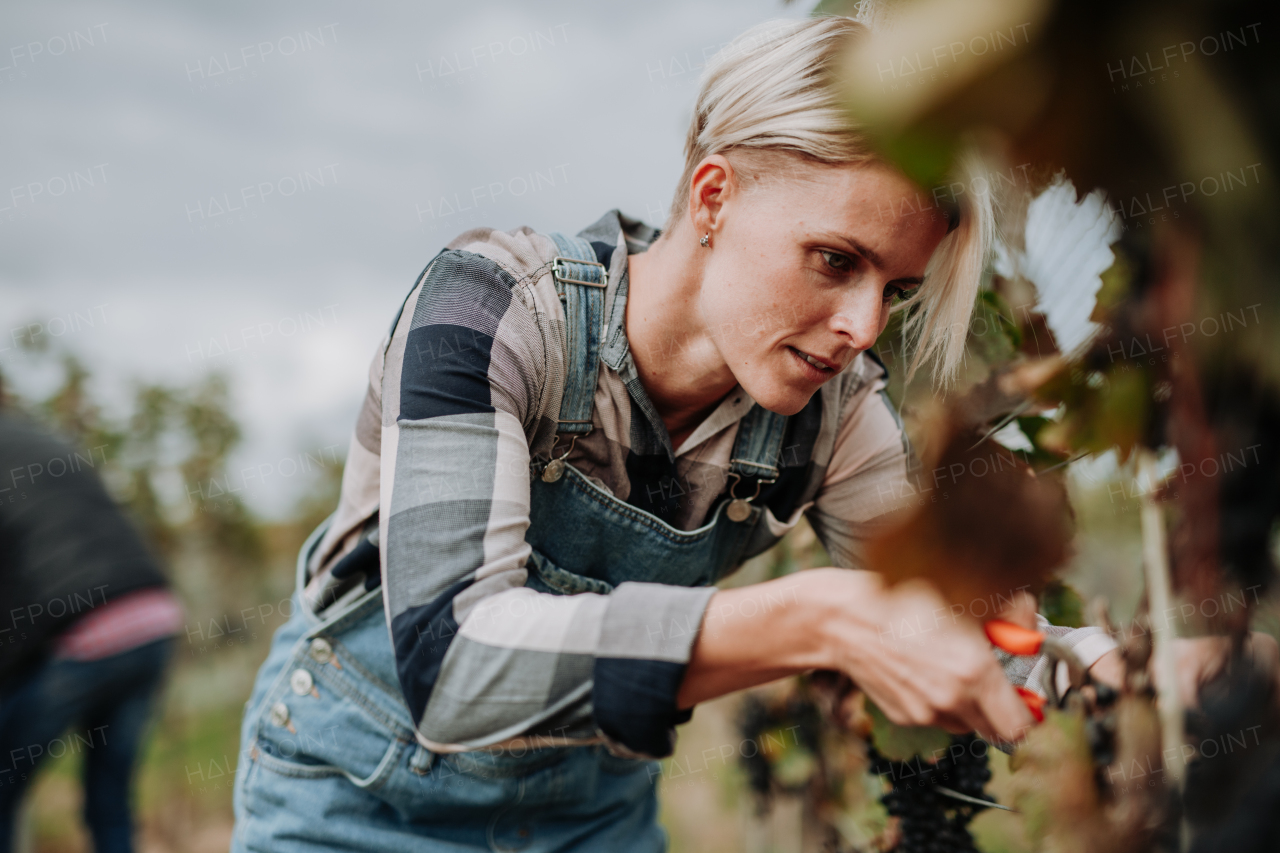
{"x":870,"y":255}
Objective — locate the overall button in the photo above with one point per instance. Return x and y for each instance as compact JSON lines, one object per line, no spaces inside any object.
{"x":280,"y":714}
{"x":300,"y":682}
{"x":321,"y":651}
{"x":554,"y":471}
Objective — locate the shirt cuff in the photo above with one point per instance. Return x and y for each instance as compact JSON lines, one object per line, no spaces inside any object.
{"x":1093,"y":646}
{"x":645,"y":643}
{"x":1088,"y":644}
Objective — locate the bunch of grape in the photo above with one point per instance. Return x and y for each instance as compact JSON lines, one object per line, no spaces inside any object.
{"x":932,"y":822}
{"x":754,"y":718}
{"x":800,"y":723}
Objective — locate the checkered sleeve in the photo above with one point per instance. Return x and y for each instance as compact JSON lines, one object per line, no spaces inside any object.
{"x":471,"y":372}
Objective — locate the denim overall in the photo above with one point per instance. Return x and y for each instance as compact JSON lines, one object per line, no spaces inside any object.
{"x":329,"y":759}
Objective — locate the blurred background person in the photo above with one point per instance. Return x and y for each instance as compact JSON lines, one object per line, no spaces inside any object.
{"x":87,"y":621}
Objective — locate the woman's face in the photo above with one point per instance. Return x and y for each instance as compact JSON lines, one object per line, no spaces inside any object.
{"x":807,"y":266}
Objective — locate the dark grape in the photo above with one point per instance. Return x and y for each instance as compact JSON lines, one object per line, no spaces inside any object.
{"x":930,"y":821}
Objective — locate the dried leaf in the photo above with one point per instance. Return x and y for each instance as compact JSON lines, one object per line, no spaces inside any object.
{"x":1053,"y":785}
{"x":987,"y":528}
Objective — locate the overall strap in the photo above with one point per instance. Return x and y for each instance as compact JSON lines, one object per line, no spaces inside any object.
{"x":580,"y":282}
{"x":755,"y":457}
{"x":758,"y":446}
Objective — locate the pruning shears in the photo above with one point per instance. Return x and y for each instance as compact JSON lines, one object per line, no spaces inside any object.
{"x":1017,"y":640}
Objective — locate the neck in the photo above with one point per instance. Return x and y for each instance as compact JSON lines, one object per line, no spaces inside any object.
{"x":671,"y":342}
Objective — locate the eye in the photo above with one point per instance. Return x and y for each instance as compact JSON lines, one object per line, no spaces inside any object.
{"x":837,"y":262}
{"x":893,"y":292}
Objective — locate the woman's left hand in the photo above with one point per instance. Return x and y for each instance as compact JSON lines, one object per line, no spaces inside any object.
{"x":1198,"y":660}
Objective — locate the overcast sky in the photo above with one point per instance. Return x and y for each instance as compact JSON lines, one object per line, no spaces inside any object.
{"x":178,"y":181}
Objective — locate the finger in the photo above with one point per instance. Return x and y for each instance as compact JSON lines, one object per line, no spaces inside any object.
{"x":1199,"y":660}
{"x":892,"y":706}
{"x":1021,"y":611}
{"x":914,"y":708}
{"x":1034,"y":701}
{"x":973,"y":717}
{"x":954,"y":724}
{"x":1001,"y":711}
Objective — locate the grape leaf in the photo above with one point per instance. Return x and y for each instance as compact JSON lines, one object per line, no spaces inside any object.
{"x":900,"y":743}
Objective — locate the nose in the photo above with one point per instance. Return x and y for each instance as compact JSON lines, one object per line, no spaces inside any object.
{"x":857,"y":321}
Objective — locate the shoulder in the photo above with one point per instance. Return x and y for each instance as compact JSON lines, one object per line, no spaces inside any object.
{"x":521,"y":258}
{"x":486,"y":262}
{"x":522,"y":254}
{"x":483,"y":279}
{"x":482,"y":324}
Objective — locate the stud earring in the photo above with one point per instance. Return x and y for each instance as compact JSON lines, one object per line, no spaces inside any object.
{"x":705,"y":240}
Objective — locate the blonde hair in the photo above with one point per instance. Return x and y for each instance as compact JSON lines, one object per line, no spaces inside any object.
{"x":777,"y":88}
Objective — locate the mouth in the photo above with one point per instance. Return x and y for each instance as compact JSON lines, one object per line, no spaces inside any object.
{"x":814,"y":367}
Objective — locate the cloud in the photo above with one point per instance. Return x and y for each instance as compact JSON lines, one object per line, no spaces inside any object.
{"x":201,"y":169}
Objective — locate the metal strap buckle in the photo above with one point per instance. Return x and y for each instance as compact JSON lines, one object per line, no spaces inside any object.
{"x":558,"y":270}
{"x":739,"y":509}
{"x":769,"y":469}
{"x":554,"y":469}
{"x":559,"y":432}
{"x":738,"y":479}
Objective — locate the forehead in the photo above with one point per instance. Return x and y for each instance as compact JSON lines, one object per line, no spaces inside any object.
{"x":870,"y":199}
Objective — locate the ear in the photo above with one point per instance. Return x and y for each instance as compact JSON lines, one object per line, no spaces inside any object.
{"x":714,"y":182}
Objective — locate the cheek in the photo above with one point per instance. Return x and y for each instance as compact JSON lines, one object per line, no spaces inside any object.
{"x":747,"y":294}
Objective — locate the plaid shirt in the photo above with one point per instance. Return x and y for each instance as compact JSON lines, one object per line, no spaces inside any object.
{"x":463,"y":393}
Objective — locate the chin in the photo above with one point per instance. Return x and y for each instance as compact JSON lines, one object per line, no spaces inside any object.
{"x":779,"y":398}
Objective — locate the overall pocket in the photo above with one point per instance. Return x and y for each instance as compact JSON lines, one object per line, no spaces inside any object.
{"x":327,"y":718}
{"x":546,"y":576}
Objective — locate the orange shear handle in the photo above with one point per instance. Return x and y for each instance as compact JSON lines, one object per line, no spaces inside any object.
{"x":1014,"y":639}
{"x":1017,"y":640}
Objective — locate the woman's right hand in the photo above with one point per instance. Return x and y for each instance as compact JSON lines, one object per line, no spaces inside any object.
{"x":906,"y":648}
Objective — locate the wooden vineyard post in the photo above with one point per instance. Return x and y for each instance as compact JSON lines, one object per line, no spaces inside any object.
{"x":1155,"y":563}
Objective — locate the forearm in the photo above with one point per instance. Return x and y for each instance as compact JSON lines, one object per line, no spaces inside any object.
{"x":754,"y":635}
{"x":943,"y":674}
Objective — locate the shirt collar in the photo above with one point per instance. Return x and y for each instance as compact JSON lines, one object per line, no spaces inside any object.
{"x":630,"y":236}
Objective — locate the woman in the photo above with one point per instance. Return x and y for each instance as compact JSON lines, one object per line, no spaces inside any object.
{"x":566,"y":441}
